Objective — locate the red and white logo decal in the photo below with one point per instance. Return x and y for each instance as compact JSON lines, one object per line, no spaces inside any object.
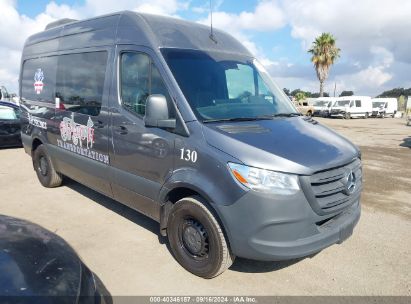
{"x":38,"y":81}
{"x":72,"y":131}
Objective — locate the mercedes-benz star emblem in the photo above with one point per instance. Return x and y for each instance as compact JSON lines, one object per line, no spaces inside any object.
{"x":350,"y":182}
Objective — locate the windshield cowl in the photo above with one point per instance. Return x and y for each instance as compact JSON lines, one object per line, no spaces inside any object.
{"x":265,"y":117}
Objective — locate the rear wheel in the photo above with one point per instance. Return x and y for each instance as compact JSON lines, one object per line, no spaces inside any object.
{"x":366,"y":115}
{"x":197,"y":240}
{"x":44,"y":168}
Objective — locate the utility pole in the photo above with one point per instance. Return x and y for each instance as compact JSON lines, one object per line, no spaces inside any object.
{"x":335,"y":87}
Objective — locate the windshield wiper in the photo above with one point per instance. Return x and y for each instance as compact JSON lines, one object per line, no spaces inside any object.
{"x":262,"y":117}
{"x":239,"y":119}
{"x":287,"y":114}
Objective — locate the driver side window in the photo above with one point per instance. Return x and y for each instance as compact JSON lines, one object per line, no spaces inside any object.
{"x":140,"y":78}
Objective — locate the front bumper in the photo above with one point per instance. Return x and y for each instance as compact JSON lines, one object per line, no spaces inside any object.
{"x":261,"y":227}
{"x":377,"y":113}
{"x":338,"y":113}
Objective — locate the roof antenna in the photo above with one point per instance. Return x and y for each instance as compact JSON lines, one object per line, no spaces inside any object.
{"x":212,"y":37}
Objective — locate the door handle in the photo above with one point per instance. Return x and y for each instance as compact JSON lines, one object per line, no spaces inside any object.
{"x":122,"y":130}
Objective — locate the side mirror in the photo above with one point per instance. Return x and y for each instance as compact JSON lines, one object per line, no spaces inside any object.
{"x":157,"y":113}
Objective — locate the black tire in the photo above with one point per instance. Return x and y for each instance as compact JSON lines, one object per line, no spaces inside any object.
{"x":366,"y":115}
{"x":309,"y":114}
{"x":197,"y":240}
{"x":347,"y":115}
{"x":44,"y":168}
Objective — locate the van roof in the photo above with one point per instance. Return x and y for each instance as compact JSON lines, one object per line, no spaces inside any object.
{"x":384,"y":98}
{"x":131,"y":28}
{"x":353,"y":97}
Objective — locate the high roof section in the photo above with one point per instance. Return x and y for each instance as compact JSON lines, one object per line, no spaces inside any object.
{"x":132,"y":28}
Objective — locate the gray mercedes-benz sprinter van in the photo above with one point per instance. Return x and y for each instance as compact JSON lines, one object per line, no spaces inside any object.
{"x":189,"y":130}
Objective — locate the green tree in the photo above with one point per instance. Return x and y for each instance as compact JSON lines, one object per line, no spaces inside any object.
{"x":286,"y":91}
{"x":300,"y":96}
{"x":401,"y":103}
{"x":396,"y":92}
{"x":324,"y":53}
{"x":294,"y":92}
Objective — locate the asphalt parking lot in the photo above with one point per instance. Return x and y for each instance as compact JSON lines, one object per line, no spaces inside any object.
{"x":124,"y":249}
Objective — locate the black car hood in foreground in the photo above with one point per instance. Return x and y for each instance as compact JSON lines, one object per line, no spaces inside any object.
{"x":36,"y":262}
{"x":296,"y":145}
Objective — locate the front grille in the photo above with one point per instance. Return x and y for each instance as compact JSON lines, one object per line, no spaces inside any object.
{"x":326,"y":190}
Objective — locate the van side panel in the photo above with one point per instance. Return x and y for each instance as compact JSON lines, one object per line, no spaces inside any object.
{"x":59,"y":114}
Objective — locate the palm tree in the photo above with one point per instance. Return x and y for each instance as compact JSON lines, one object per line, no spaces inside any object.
{"x":325,"y":53}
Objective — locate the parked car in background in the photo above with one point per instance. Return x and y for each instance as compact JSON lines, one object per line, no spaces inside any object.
{"x":352,"y":106}
{"x":37,"y":266}
{"x":304,"y":108}
{"x":322,"y":106}
{"x":382,"y":107}
{"x":9,"y":125}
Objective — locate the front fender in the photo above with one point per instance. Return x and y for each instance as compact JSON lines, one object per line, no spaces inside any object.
{"x":215,"y":184}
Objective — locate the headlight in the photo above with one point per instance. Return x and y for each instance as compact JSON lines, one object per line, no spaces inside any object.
{"x":264,"y":180}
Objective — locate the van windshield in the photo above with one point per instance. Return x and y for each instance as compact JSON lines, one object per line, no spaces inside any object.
{"x":377,"y":104}
{"x":342,"y":103}
{"x":221,"y":86}
{"x":320,"y":103}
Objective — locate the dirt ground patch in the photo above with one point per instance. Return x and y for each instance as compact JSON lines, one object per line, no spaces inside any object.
{"x":386,"y":153}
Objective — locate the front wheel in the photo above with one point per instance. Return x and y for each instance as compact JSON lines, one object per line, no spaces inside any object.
{"x":347,"y":115}
{"x":197,"y":240}
{"x":44,"y":168}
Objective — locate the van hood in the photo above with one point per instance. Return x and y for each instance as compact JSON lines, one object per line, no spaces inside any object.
{"x":295,"y":145}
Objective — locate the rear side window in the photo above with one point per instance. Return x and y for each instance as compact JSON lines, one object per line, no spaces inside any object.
{"x":38,"y":79}
{"x":358,"y":103}
{"x":80,"y":82}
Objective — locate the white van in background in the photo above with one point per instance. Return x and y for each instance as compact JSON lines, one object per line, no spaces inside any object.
{"x":352,"y":106}
{"x":382,"y":107}
{"x":322,"y":106}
